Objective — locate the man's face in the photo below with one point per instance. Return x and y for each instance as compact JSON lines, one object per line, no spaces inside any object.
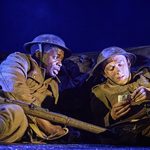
{"x":53,"y":61}
{"x":118,"y":69}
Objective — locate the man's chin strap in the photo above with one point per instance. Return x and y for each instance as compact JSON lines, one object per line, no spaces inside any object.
{"x":40,"y":57}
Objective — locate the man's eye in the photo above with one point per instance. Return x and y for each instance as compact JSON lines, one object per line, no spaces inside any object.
{"x":110,"y":68}
{"x":55,"y":57}
{"x":120,"y":63}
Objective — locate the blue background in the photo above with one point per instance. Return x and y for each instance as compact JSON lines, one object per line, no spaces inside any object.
{"x":85,"y":25}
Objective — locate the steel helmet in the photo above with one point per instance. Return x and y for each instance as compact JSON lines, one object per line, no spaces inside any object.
{"x":49,"y":39}
{"x":109,"y":52}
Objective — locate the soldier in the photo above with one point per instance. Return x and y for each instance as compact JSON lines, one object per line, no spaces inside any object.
{"x":31,"y":78}
{"x":122,"y":95}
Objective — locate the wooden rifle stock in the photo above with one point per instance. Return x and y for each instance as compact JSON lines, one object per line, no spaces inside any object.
{"x":36,"y":111}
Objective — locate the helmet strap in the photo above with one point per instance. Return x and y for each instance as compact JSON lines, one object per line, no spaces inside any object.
{"x":41,"y":53}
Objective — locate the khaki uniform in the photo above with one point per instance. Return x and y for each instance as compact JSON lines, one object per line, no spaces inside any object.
{"x":106,"y":94}
{"x":21,"y":78}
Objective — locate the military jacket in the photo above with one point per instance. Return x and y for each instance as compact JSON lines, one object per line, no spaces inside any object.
{"x":104,"y":95}
{"x":21,"y":78}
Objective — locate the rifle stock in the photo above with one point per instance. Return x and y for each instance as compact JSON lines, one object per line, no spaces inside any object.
{"x":36,"y":111}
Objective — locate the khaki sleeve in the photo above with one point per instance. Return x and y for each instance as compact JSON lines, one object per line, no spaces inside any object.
{"x":13,"y":76}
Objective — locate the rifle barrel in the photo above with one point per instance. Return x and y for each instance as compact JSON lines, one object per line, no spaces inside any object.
{"x":36,"y":111}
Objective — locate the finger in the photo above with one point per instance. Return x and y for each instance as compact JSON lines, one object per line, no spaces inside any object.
{"x":141,"y":97}
{"x":122,"y":110}
{"x":124,"y":113}
{"x":120,"y":104}
{"x":139,"y":92}
{"x":134,"y":94}
{"x":115,"y":115}
{"x":60,"y":131}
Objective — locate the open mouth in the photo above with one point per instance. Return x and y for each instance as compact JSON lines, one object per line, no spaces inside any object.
{"x":55,"y":72}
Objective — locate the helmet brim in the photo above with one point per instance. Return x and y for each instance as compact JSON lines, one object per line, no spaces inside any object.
{"x":98,"y":67}
{"x":67,"y":51}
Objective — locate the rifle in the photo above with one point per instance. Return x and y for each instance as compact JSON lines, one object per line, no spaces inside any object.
{"x":36,"y":111}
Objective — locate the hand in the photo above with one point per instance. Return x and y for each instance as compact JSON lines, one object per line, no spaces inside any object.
{"x":119,"y":109}
{"x":49,"y":128}
{"x":140,"y":94}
